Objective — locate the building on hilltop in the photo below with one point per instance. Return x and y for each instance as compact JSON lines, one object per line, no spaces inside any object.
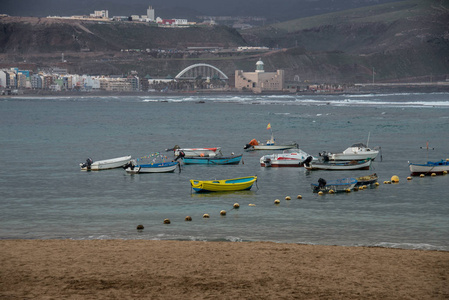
{"x":259,"y":80}
{"x":150,"y":14}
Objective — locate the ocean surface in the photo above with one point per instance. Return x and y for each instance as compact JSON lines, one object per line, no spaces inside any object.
{"x":45,"y":195}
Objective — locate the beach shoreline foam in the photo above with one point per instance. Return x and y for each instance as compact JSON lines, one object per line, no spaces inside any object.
{"x":145,"y":269}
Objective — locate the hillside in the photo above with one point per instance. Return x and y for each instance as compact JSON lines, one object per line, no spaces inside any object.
{"x":401,"y":41}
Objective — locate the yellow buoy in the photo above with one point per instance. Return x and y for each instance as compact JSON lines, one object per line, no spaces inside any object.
{"x":236,"y":205}
{"x":433,"y":174}
{"x":348,"y":190}
{"x":409,"y":178}
{"x":394,"y":179}
{"x":299,"y":197}
{"x":320,"y":193}
{"x":277,"y":201}
{"x":377,"y":183}
{"x":422,"y":175}
{"x":444,"y":172}
{"x":188,"y":218}
{"x":288,"y":198}
{"x":355,"y":189}
{"x":167,"y":221}
{"x":251,"y":204}
{"x":365,"y":187}
{"x":385,"y":182}
{"x":206,"y":216}
{"x":139,"y":227}
{"x":331,"y":192}
{"x":223,"y":212}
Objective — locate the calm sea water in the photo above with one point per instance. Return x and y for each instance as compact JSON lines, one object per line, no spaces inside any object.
{"x":44,"y":195}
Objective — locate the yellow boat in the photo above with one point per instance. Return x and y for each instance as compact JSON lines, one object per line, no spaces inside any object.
{"x":224,"y":185}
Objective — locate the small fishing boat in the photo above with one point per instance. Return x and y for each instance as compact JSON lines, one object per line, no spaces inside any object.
{"x":337,"y":186}
{"x":225,"y":185}
{"x":162,"y":167}
{"x":289,"y":158}
{"x":217,"y":160}
{"x":98,"y":165}
{"x":269,"y":145}
{"x":197,"y":152}
{"x":339,"y":166}
{"x":356,"y":152}
{"x":367,"y":180}
{"x":437,"y":167}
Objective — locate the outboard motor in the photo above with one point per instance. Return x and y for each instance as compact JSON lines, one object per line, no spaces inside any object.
{"x":129,"y":165}
{"x":247,"y":146}
{"x":307,"y":161}
{"x":267,"y":162}
{"x":180,"y":155}
{"x":87,"y":164}
{"x":321,"y":183}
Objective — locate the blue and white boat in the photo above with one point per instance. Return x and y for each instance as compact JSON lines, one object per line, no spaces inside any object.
{"x":437,"y":167}
{"x":217,"y":160}
{"x":153,"y":163}
{"x":163,"y":167}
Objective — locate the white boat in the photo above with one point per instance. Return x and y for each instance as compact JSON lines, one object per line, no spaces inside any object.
{"x":269,"y":145}
{"x":197,"y":152}
{"x":163,"y":167}
{"x":437,"y":167}
{"x":356,"y":152}
{"x":112,"y":163}
{"x":332,"y":165}
{"x":289,"y":158}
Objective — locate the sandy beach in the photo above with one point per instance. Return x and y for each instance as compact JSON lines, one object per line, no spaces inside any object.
{"x":141,"y":269}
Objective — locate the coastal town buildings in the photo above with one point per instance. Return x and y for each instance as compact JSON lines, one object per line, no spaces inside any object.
{"x":259,"y":80}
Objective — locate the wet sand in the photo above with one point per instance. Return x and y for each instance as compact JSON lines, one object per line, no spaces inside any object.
{"x":138,"y":269}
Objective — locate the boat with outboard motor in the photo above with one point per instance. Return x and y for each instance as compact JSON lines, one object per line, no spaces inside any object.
{"x":105,"y":164}
{"x":336,"y":186}
{"x":195,"y":152}
{"x":357,"y":151}
{"x":289,"y":158}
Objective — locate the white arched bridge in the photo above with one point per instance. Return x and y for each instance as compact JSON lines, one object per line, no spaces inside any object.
{"x":201,"y":71}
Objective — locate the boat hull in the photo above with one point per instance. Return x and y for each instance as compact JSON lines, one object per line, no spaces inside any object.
{"x":107,"y":164}
{"x":439,"y":168}
{"x":286,"y":159}
{"x":367,"y":180}
{"x":335,"y":166}
{"x":271,"y":147}
{"x":337,"y":186}
{"x":153,"y":168}
{"x":225,"y":160}
{"x":225,"y":185}
{"x":199,"y":152}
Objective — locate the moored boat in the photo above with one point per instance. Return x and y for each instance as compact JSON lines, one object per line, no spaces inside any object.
{"x":337,"y":186}
{"x":367,"y":180}
{"x":162,"y":167}
{"x":224,"y":185}
{"x":289,"y":158}
{"x":339,"y":166}
{"x":217,"y":160}
{"x":98,"y":165}
{"x":197,"y":152}
{"x":271,"y":144}
{"x":356,"y":152}
{"x":437,"y":167}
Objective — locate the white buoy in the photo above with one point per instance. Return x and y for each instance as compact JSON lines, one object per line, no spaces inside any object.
{"x":288,"y":198}
{"x":299,"y":197}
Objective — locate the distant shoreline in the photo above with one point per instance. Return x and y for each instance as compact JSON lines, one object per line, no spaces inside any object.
{"x":359,"y":89}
